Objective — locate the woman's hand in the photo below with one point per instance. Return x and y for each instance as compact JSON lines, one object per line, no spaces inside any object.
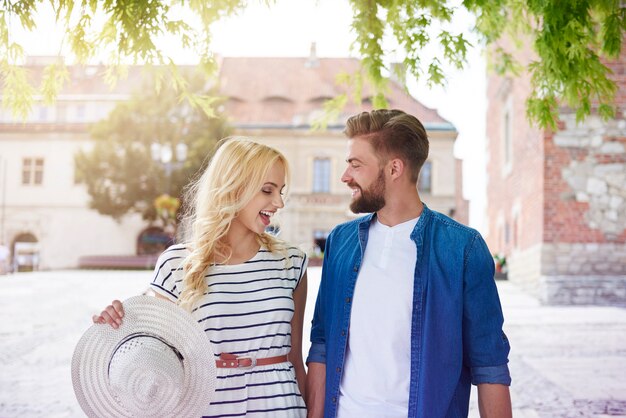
{"x":111,"y":315}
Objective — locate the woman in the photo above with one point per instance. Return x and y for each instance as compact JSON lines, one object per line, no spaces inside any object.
{"x":246,"y":288}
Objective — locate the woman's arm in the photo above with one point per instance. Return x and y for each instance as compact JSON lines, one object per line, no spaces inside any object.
{"x":295,"y":356}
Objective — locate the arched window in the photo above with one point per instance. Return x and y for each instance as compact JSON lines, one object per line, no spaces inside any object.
{"x":319,"y":239}
{"x":153,"y":240}
{"x":25,"y":252}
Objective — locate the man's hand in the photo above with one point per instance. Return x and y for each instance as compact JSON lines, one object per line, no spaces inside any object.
{"x":315,"y":387}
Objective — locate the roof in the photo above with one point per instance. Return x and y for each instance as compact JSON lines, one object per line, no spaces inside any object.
{"x":259,"y":92}
{"x":285,"y":91}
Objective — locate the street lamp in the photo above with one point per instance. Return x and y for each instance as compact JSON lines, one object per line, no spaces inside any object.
{"x":163,"y":153}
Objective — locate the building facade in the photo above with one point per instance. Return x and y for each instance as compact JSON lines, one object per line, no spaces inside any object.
{"x":556,"y":200}
{"x":45,"y":210}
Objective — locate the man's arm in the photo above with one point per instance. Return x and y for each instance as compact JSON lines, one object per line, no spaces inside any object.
{"x":315,"y":386}
{"x":486,"y":347}
{"x":494,"y":401}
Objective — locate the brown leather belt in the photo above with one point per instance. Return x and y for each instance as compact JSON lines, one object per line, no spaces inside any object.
{"x":231,"y":361}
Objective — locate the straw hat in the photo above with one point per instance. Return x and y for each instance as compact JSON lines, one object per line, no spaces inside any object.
{"x":159,"y":362}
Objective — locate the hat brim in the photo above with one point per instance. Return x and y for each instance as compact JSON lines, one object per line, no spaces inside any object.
{"x":152,"y":316}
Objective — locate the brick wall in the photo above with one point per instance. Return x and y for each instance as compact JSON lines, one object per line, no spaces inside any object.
{"x":568,"y":191}
{"x":585,"y":171}
{"x":585,"y":182}
{"x":514,"y":191}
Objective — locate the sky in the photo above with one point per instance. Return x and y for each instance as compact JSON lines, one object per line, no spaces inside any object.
{"x":288,"y":28}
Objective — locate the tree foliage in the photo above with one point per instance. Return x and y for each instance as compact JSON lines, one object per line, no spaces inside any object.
{"x":119,"y":171}
{"x":569,"y":37}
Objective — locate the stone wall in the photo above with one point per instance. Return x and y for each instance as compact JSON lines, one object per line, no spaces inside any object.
{"x":557,"y":200}
{"x":581,"y":259}
{"x":583,"y":290}
{"x":583,"y":273}
{"x":586,"y":182}
{"x":524,"y":269}
{"x":572,"y":273}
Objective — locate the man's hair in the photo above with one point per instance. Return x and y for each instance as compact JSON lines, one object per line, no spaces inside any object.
{"x":392,"y":134}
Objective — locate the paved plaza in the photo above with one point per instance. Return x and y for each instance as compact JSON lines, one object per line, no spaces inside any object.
{"x":565,"y":361}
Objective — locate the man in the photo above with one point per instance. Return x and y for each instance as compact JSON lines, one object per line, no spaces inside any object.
{"x":407,"y":314}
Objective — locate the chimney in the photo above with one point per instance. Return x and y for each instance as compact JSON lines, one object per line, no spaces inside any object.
{"x":312,"y":60}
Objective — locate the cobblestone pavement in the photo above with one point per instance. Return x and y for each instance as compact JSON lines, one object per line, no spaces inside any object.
{"x":565,"y":361}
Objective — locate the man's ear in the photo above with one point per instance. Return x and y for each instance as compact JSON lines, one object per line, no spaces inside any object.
{"x":396,"y":168}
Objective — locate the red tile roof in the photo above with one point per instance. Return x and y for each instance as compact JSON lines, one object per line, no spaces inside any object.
{"x":261,"y":92}
{"x":291,"y":91}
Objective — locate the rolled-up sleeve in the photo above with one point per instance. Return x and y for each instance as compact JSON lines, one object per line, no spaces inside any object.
{"x":485,"y":346}
{"x":317,"y":352}
{"x":491,"y":374}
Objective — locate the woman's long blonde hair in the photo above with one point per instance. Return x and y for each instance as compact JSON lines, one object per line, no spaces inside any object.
{"x":235,"y":174}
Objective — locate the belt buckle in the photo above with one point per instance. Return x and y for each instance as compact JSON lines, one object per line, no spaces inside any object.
{"x":252,"y":362}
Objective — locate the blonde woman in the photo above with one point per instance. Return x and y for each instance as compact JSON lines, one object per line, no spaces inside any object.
{"x":246,"y":288}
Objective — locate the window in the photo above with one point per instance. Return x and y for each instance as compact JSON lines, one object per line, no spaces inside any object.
{"x":507,"y":139}
{"x":43,"y":114}
{"x":319,"y":238}
{"x":425,"y":180}
{"x":500,"y":233}
{"x":507,"y":233}
{"x":80,"y":113}
{"x":321,"y":175}
{"x":32,"y":171}
{"x":61,"y":112}
{"x":515,"y":233}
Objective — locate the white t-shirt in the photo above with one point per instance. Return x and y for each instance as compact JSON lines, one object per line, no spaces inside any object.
{"x":377,"y":369}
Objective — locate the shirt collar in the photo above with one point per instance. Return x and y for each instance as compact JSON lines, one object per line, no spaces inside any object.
{"x":364,"y":222}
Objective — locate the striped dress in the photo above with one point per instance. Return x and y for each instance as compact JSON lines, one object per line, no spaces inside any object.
{"x":247,"y":312}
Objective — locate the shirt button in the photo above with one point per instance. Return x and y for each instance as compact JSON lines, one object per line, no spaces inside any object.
{"x":343,"y":332}
{"x":347,"y":300}
{"x":334,"y":400}
{"x":356,"y":268}
{"x":338,"y":369}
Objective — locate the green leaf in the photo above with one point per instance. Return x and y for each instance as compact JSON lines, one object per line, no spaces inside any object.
{"x":332,"y":110}
{"x":17,"y":93}
{"x":54,"y":76}
{"x":568,"y":39}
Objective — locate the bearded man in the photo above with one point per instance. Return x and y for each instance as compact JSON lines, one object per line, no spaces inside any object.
{"x":408,"y":314}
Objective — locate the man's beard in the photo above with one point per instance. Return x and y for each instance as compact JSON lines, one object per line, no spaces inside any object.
{"x":371,"y":199}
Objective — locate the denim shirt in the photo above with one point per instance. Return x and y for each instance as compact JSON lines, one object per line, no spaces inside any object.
{"x":456,"y":324}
